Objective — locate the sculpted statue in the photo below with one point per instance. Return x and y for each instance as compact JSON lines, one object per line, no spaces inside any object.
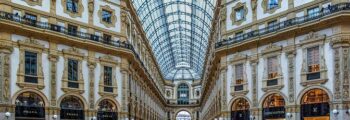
{"x":253,"y":4}
{"x":91,"y":6}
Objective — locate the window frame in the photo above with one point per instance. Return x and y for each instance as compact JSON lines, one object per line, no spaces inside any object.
{"x":276,"y":83}
{"x":113,"y":17}
{"x":233,"y":15}
{"x":73,"y":14}
{"x":111,"y":62}
{"x":30,"y":45}
{"x":73,"y":54}
{"x":242,"y":88}
{"x":313,"y":40}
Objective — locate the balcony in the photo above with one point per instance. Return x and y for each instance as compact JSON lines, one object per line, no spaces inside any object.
{"x":284,"y":25}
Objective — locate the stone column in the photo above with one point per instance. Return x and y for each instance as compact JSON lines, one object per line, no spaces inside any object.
{"x":341,"y":52}
{"x":5,"y":103}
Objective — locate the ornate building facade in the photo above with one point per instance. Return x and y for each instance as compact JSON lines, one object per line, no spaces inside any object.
{"x":174,"y":59}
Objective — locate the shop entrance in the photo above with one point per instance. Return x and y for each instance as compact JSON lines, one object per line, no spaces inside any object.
{"x":314,"y":105}
{"x":273,"y":107}
{"x":240,"y":109}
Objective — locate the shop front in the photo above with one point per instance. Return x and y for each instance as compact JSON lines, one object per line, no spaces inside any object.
{"x":72,"y":108}
{"x":240,"y":109}
{"x":315,"y":105}
{"x":29,"y":106}
{"x":107,"y":110}
{"x":274,"y":107}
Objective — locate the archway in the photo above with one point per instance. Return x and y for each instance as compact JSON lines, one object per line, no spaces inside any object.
{"x":107,"y":110}
{"x":29,"y":105}
{"x":72,"y":108}
{"x":240,"y":109}
{"x":273,"y":107}
{"x":315,"y":105}
{"x":183,"y":115}
{"x":183,"y":94}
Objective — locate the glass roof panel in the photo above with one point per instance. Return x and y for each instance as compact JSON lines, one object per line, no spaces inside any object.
{"x":178,"y":31}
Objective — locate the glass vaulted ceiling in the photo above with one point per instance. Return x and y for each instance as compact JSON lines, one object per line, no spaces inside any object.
{"x":178,"y":32}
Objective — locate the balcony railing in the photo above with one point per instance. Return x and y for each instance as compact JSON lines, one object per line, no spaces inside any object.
{"x":331,"y":9}
{"x":63,"y":30}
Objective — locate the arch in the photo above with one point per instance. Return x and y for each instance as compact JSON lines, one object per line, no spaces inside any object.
{"x":107,"y":110}
{"x":273,"y":106}
{"x":315,"y":103}
{"x":246,"y":105}
{"x":108,"y":98}
{"x":238,"y":97}
{"x":74,"y":99}
{"x":29,"y":105}
{"x":183,"y":115}
{"x":81,"y":98}
{"x":46,"y":101}
{"x":306,"y":89}
{"x":72,"y":107}
{"x":261,"y":101}
{"x":240,"y":109}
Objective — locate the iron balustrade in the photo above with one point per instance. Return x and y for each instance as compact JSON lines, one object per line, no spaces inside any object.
{"x":331,"y":9}
{"x":63,"y":30}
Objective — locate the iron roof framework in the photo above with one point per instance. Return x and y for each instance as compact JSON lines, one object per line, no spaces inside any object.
{"x":178,"y":32}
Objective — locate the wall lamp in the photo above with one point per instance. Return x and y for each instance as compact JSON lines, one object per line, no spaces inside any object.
{"x":54,"y":117}
{"x":252,"y":117}
{"x":7,"y":115}
{"x":335,"y":112}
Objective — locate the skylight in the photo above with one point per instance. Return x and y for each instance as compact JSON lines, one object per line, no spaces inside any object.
{"x":178,"y":32}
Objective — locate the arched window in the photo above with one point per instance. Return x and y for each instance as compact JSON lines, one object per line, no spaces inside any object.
{"x":107,"y":110}
{"x":29,"y":105}
{"x":183,"y":115}
{"x":183,"y":94}
{"x":72,"y":108}
{"x":240,"y":109}
{"x":273,"y":107}
{"x":315,"y":103}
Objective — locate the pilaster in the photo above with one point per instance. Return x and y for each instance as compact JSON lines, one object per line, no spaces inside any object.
{"x":254,"y":61}
{"x":53,"y":58}
{"x":92,"y":66}
{"x":291,"y":53}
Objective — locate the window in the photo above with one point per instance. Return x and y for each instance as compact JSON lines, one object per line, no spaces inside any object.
{"x":106,"y":16}
{"x":271,"y":4}
{"x":72,"y":30}
{"x":239,"y":73}
{"x":30,"y":67}
{"x":73,"y":73}
{"x":239,"y":77}
{"x":183,"y":94}
{"x":312,"y":12}
{"x":272,"y":67}
{"x":240,"y":14}
{"x":107,"y":38}
{"x":313,"y":63}
{"x":72,"y":6}
{"x":107,"y":79}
